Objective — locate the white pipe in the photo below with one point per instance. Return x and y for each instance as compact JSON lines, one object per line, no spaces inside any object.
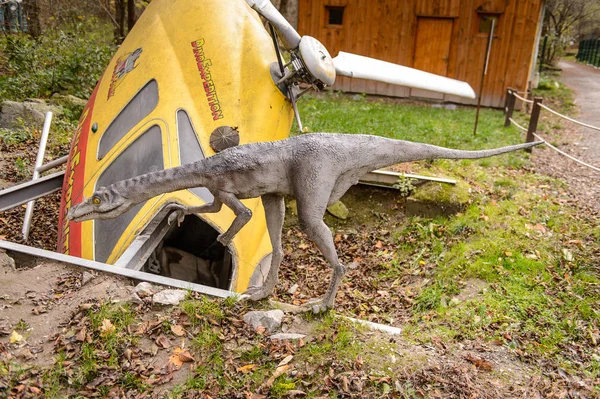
{"x":39,"y":161}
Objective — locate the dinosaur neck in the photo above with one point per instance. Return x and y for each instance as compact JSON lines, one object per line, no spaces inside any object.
{"x":144,"y":187}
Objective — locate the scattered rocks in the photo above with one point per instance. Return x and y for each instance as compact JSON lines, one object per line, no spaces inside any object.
{"x":286,"y":336}
{"x":270,"y":320}
{"x":169,"y":297}
{"x":144,"y":289}
{"x":86,"y":278}
{"x":293,"y":289}
{"x":7,"y":261}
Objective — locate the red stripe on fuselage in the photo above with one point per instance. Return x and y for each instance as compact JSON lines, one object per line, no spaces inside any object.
{"x":69,"y":233}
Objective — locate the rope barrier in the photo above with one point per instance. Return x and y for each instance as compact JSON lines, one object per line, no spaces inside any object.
{"x":567,"y":155}
{"x":522,"y":99}
{"x":517,"y":125}
{"x":569,"y":119}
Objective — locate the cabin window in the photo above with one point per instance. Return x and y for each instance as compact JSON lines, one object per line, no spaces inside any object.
{"x":190,"y":150}
{"x":140,"y":106}
{"x":143,"y":156}
{"x":335,"y":15}
{"x":485,"y":22}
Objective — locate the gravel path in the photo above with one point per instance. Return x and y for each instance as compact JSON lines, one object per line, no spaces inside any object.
{"x":584,"y":80}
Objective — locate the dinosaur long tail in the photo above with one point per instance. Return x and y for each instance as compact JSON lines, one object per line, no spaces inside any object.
{"x":427,"y":151}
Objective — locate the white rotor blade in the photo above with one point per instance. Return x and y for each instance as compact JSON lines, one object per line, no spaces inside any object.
{"x":287,"y":33}
{"x":357,"y":66}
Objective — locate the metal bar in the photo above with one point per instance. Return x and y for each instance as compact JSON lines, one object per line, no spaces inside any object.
{"x":390,"y":178}
{"x":39,"y":161}
{"x":53,"y":164}
{"x":23,"y":193}
{"x":485,"y":68}
{"x":106,"y":268}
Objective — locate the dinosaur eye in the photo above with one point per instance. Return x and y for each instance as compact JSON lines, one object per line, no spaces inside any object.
{"x":96,"y":200}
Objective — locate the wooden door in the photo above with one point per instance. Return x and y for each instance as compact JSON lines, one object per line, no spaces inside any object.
{"x":432,"y":49}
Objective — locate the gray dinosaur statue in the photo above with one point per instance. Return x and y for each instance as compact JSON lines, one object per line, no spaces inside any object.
{"x":317,"y":169}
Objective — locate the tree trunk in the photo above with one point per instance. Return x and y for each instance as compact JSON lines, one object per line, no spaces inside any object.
{"x":120,"y":18}
{"x":31,"y":9}
{"x":131,"y":17}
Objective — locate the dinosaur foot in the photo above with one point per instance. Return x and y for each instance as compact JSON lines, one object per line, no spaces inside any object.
{"x":258,"y":293}
{"x":317,"y":306}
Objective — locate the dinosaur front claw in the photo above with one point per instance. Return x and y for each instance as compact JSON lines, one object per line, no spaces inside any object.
{"x":179,"y":212}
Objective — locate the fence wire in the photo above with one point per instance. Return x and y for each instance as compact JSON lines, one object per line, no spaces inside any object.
{"x":517,"y":125}
{"x":567,"y":155}
{"x":522,"y":98}
{"x":569,"y":119}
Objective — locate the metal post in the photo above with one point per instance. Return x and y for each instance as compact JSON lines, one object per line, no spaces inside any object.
{"x":510,"y":106}
{"x":38,"y":163}
{"x":485,"y":68}
{"x":533,"y":120}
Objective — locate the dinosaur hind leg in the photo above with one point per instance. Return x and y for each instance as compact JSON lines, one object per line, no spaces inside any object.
{"x":275,"y":213}
{"x":311,"y":221}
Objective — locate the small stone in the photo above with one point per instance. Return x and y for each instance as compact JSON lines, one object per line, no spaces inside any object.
{"x":6,"y":260}
{"x":144,"y":289}
{"x":169,"y":297}
{"x":286,"y":336}
{"x":270,"y":320}
{"x":134,"y":298}
{"x":339,"y":210}
{"x":451,"y":107}
{"x":86,"y":278}
{"x":293,"y":289}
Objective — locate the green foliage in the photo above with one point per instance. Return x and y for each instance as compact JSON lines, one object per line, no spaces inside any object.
{"x":404,"y":186}
{"x":68,"y":60}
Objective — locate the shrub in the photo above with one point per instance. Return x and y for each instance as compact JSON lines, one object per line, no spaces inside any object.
{"x":68,"y":60}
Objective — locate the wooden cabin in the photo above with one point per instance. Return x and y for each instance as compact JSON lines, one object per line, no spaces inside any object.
{"x":446,"y":37}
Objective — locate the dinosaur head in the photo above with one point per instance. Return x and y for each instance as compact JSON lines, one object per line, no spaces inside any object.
{"x":104,"y":204}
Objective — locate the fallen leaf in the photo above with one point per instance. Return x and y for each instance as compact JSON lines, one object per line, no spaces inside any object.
{"x":479,"y":363}
{"x":379,"y":244}
{"x":15,"y":337}
{"x":285,"y":361}
{"x":278,"y":371}
{"x":246,"y":369}
{"x":107,"y":327}
{"x":163,"y":342}
{"x":186,"y":357}
{"x":177,"y":330}
{"x":81,"y":334}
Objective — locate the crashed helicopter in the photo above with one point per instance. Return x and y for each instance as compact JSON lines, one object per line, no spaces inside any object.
{"x":190,"y":80}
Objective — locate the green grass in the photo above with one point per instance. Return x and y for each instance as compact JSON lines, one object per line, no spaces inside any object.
{"x":332,"y":112}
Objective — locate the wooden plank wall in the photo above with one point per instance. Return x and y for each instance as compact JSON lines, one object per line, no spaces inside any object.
{"x":386,"y":29}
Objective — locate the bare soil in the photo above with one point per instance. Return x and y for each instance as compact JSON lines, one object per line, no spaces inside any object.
{"x":580,"y":142}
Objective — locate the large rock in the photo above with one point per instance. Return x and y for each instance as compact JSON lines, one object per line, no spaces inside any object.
{"x":13,"y":115}
{"x":74,"y":105}
{"x":435,"y":199}
{"x":270,"y":320}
